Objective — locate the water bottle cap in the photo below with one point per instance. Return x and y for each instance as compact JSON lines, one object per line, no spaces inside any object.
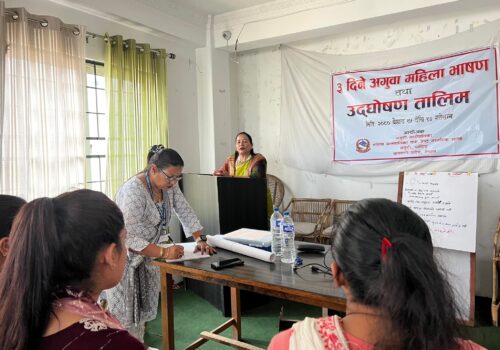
{"x":286,"y":212}
{"x":276,"y":209}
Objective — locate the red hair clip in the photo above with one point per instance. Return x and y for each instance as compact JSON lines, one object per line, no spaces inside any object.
{"x":386,"y":244}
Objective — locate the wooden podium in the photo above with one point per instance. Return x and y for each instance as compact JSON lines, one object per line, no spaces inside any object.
{"x":225,"y":204}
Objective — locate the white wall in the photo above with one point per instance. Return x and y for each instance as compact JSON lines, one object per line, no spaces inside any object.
{"x":182,"y":93}
{"x":259,"y":114}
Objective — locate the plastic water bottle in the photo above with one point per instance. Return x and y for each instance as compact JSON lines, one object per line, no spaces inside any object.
{"x":276,"y":220}
{"x":288,"y":236}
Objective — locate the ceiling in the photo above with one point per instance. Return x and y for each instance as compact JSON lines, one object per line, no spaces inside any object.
{"x":216,"y":7}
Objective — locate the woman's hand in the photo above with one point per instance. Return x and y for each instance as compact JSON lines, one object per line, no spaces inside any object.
{"x":220,"y":172}
{"x":173,"y":252}
{"x":203,"y":247}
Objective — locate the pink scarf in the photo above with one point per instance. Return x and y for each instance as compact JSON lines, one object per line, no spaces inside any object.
{"x":82,"y":304}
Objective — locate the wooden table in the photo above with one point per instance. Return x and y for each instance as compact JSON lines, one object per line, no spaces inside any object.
{"x":274,"y":279}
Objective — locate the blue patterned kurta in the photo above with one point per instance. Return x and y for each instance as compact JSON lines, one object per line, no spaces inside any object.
{"x":135,"y":299}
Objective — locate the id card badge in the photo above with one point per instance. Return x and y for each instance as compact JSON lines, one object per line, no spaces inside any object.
{"x":166,"y":235}
{"x":164,"y":230}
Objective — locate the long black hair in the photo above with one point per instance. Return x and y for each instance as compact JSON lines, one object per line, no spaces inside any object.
{"x":163,"y":157}
{"x":405,"y":283}
{"x":9,"y":206}
{"x":252,"y":152}
{"x":55,"y":242}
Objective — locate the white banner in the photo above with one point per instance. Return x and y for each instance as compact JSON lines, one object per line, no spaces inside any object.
{"x":442,"y":108}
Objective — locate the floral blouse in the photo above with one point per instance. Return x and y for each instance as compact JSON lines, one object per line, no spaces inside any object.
{"x":135,"y":299}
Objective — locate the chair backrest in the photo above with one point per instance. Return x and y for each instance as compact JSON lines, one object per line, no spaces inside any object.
{"x":308,"y":209}
{"x":277,"y":189}
{"x":337,"y":208}
{"x":340,"y":206}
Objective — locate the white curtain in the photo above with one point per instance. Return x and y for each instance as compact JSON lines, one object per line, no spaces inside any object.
{"x":306,"y":122}
{"x":43,"y":129}
{"x":3,"y":46}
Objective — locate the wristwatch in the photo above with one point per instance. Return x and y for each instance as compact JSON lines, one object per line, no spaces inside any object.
{"x":201,"y":238}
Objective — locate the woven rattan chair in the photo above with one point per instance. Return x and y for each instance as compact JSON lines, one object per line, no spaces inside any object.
{"x":275,"y":186}
{"x":307,"y":215}
{"x":338,"y":207}
{"x":495,"y":300}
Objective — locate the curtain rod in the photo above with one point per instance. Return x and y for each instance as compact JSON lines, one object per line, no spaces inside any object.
{"x":170,"y":55}
{"x":75,"y":30}
{"x":43,"y":22}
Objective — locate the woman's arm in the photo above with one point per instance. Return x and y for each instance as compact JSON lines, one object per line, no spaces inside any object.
{"x":202,"y":245}
{"x":189,"y":221}
{"x":223,"y":170}
{"x":259,"y":169}
{"x":154,"y":251}
{"x":132,"y":202}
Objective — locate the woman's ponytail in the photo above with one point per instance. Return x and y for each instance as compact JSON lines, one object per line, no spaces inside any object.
{"x":415,"y":296}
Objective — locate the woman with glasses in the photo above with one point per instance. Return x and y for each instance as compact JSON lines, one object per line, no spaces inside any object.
{"x":147,"y":201}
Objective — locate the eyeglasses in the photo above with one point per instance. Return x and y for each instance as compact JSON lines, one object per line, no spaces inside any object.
{"x":171,"y":178}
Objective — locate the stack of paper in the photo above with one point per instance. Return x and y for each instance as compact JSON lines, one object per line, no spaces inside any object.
{"x":254,"y":238}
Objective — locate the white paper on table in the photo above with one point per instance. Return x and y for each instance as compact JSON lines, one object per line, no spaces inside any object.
{"x":188,"y":252}
{"x":219,"y":241}
{"x":255,"y":238}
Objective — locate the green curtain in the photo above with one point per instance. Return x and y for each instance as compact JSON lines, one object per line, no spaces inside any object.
{"x":136,"y":90}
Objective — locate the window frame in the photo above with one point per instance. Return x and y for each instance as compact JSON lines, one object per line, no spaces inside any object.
{"x":101,"y":180}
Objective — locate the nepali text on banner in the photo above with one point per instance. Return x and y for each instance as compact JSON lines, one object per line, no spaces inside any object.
{"x":440,"y":108}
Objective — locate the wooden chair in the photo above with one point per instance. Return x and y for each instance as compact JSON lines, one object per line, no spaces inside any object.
{"x":338,"y":207}
{"x":307,"y":215}
{"x":495,"y":300}
{"x":275,"y":186}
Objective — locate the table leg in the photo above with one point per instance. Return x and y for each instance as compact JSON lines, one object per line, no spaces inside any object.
{"x":167,"y":311}
{"x":236,"y":313}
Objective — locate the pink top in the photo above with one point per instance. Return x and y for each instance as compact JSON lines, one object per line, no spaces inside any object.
{"x":281,"y":341}
{"x":326,"y":331}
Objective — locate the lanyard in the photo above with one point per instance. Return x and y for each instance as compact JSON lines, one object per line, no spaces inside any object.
{"x":163,"y":210}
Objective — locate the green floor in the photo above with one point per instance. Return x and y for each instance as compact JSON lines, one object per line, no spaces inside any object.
{"x":193,"y":314}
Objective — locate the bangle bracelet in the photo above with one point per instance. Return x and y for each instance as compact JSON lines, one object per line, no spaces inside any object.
{"x":161,"y":252}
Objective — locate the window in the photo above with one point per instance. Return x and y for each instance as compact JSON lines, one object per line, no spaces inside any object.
{"x":97,"y":127}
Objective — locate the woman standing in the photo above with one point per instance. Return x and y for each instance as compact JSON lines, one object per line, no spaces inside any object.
{"x":147,"y":201}
{"x":244,"y":162}
{"x":64,"y":251}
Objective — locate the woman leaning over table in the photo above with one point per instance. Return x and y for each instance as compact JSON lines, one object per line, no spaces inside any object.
{"x":147,"y":201}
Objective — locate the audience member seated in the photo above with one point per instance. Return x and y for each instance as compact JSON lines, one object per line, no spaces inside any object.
{"x":397,"y":297}
{"x":64,"y":251}
{"x":9,"y":206}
